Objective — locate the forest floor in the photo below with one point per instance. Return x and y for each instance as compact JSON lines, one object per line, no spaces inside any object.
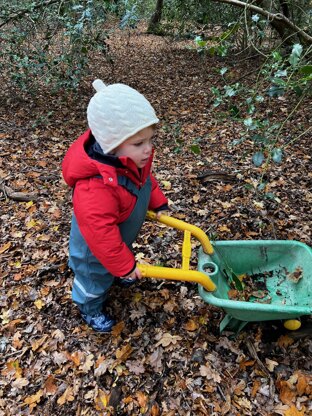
{"x":166,"y":355}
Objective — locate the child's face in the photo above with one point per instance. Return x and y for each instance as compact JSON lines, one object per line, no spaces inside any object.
{"x":138,"y":147}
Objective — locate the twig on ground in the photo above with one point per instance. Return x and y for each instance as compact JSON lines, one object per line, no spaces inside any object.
{"x":17,"y":196}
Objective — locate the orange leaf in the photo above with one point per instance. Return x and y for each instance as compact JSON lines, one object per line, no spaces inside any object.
{"x":142,"y":398}
{"x":155,"y":410}
{"x":224,"y":228}
{"x":286,"y":394}
{"x":302,"y":383}
{"x":38,"y":343}
{"x":245,"y":364}
{"x":123,"y":353}
{"x":117,"y":329}
{"x":34,"y":399}
{"x":101,"y":400}
{"x":50,"y":386}
{"x":191,"y":325}
{"x":12,"y":369}
{"x":255,"y":388}
{"x":293,"y":411}
{"x":17,"y":277}
{"x":76,"y":357}
{"x":285,"y":341}
{"x":67,"y":396}
{"x":5,"y":247}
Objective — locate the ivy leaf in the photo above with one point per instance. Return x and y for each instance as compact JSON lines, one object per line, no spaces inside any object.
{"x":276,"y":91}
{"x":258,"y":159}
{"x":277,"y":155}
{"x":295,"y":54}
{"x":195,"y":149}
{"x":223,"y":70}
{"x":306,"y":69}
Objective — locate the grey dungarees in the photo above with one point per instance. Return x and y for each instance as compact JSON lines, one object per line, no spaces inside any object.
{"x":92,"y":281}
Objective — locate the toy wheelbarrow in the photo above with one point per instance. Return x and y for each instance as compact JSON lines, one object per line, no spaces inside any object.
{"x":258,"y":280}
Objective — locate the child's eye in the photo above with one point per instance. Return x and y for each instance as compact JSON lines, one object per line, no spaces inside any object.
{"x":138,"y":144}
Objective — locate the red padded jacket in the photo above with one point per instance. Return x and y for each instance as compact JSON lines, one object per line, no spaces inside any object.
{"x":100,"y":203}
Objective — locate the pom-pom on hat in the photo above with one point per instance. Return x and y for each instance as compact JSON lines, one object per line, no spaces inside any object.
{"x":117,"y":112}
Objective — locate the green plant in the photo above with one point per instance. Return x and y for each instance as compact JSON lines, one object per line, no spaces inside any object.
{"x":277,"y":77}
{"x":49,"y":43}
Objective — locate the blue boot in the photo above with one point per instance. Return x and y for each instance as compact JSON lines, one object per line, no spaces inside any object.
{"x":127,"y":282}
{"x":100,"y":322}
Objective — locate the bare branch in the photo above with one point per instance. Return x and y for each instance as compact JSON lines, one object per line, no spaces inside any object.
{"x":273,"y":17}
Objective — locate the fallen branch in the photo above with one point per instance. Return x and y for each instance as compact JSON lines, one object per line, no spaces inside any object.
{"x":210,"y":176}
{"x":272,"y":17}
{"x":20,"y":13}
{"x":17,"y":196}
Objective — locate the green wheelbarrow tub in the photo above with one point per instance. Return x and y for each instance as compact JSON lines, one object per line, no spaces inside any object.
{"x":286,"y":267}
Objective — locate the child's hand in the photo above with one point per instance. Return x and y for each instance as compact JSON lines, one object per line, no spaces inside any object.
{"x":159,"y":213}
{"x":136,"y":274}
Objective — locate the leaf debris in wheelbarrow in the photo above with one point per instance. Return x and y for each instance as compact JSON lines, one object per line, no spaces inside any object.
{"x":296,"y":275}
{"x":253,"y":288}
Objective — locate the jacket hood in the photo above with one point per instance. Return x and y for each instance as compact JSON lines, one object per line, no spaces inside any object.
{"x":80,"y":164}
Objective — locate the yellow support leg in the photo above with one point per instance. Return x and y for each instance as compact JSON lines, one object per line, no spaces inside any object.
{"x":184,"y":274}
{"x":186,"y":251}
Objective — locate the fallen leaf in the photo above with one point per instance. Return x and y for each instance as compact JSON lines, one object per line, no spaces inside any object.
{"x":168,"y":339}
{"x":35,"y":345}
{"x":49,"y":385}
{"x":211,"y":374}
{"x":58,"y":334}
{"x":117,"y":329}
{"x":255,"y":387}
{"x":60,"y":357}
{"x":191,"y":325}
{"x":142,"y":399}
{"x":196,"y":198}
{"x":271,"y":364}
{"x":286,"y":394}
{"x":123,"y":353}
{"x":101,"y":400}
{"x":67,"y":396}
{"x":155,"y":359}
{"x":136,"y":367}
{"x":303,"y":384}
{"x":293,"y":411}
{"x":166,"y":185}
{"x":5,"y":247}
{"x":88,"y":364}
{"x":34,"y":399}
{"x":20,"y":383}
{"x":285,"y":341}
{"x":224,"y":229}
{"x":12,"y":369}
{"x":102,"y":365}
{"x":39,"y":304}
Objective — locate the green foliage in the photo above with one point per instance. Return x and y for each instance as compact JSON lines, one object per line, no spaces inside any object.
{"x":130,"y":17}
{"x":49,"y":43}
{"x":278,"y":76}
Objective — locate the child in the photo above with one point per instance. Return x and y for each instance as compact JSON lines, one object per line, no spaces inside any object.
{"x":109,"y":169}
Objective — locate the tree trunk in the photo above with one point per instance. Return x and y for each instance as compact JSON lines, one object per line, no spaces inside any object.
{"x":153,"y":26}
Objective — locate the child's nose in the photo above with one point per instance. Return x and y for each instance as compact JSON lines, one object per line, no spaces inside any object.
{"x":148,"y":148}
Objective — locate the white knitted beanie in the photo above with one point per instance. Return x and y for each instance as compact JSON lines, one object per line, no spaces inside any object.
{"x":117,"y":112}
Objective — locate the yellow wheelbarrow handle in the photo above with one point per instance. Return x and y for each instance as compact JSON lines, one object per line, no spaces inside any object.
{"x":197,"y":232}
{"x":184,"y":274}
